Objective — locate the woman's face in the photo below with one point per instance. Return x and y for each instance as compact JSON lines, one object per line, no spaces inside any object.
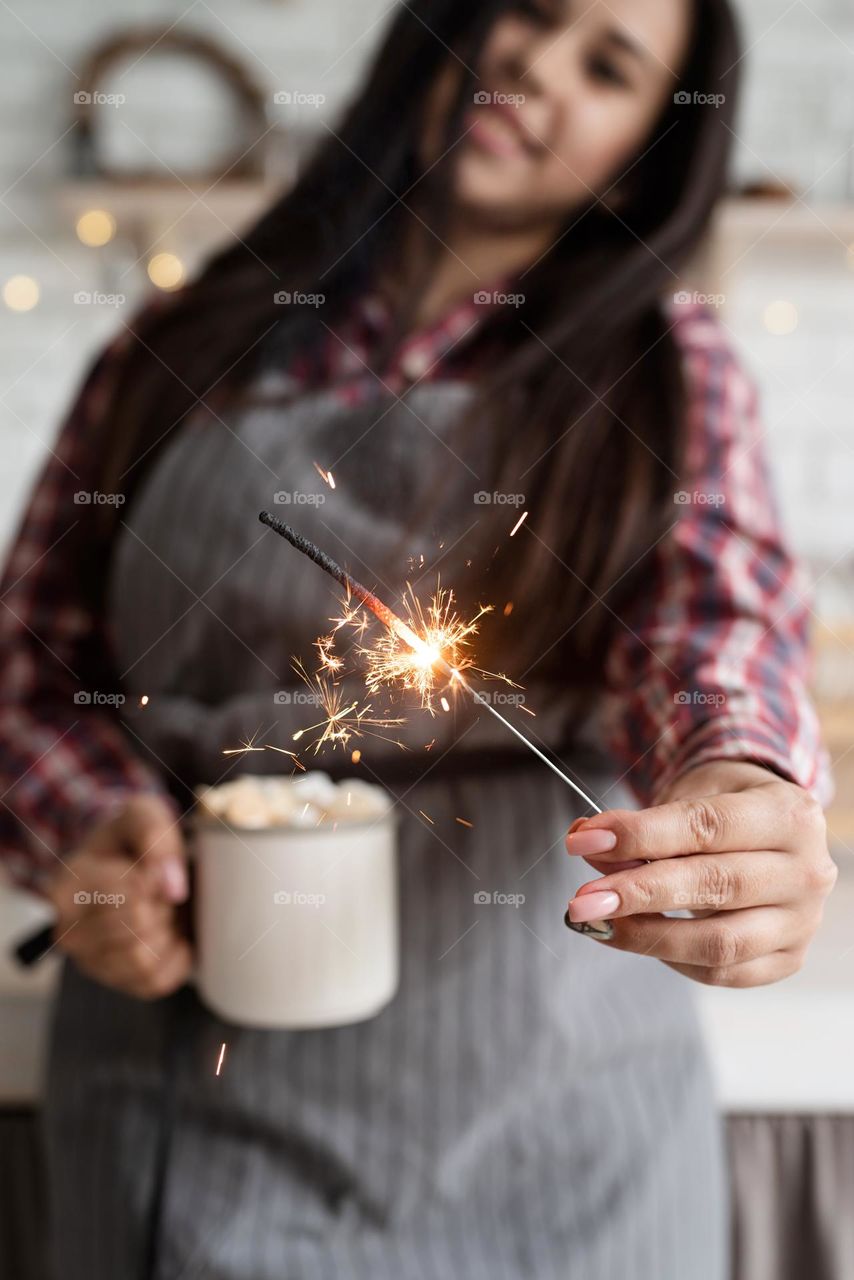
{"x":568,"y":92}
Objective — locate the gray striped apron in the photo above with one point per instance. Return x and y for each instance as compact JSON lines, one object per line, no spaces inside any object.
{"x":531,"y":1105}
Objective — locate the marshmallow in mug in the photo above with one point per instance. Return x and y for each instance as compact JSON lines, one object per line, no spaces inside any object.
{"x":309,"y":800}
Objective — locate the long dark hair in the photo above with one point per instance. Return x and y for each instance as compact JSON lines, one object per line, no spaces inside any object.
{"x":587,"y":403}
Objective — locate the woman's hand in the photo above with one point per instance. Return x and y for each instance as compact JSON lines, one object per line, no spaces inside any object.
{"x":116,"y":897}
{"x":732,"y":842}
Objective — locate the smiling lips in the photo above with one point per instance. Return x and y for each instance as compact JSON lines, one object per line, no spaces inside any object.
{"x":496,"y":127}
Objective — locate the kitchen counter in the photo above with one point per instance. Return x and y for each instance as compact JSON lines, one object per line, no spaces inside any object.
{"x":789,"y":1047}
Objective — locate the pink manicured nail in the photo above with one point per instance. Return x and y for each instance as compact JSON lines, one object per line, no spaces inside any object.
{"x":594,"y":906}
{"x":174,"y":879}
{"x":587,"y":844}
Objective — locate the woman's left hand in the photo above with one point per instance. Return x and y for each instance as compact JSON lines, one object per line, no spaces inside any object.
{"x":733,"y":842}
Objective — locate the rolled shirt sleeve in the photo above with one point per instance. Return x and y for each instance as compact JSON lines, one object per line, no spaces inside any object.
{"x":712,"y":658}
{"x":65,"y":761}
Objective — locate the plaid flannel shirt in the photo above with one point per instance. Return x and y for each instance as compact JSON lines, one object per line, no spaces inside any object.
{"x":711,"y":663}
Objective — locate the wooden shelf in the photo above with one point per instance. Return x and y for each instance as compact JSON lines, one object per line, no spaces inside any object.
{"x":237,"y":201}
{"x":144,"y":208}
{"x":784,"y":218}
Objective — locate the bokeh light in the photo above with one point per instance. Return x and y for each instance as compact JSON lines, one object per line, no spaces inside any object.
{"x":166,"y":270}
{"x":781,"y":317}
{"x":21,"y":293}
{"x":96,"y":227}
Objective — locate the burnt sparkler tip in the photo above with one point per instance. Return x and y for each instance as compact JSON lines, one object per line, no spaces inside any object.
{"x":273,"y":522}
{"x":330,"y":566}
{"x":290,"y":535}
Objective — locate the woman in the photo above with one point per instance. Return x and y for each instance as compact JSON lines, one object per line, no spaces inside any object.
{"x":461,"y":307}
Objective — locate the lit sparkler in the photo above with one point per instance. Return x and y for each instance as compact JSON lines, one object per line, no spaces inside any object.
{"x":441,"y":637}
{"x":431,"y":652}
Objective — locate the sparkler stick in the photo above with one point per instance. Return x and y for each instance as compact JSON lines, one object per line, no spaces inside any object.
{"x":405,"y":633}
{"x":333,"y":568}
{"x":478,"y":697}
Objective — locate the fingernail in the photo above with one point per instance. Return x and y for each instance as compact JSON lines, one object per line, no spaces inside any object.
{"x":174,"y":879}
{"x":602,"y":930}
{"x":587,"y":844}
{"x":594,"y":906}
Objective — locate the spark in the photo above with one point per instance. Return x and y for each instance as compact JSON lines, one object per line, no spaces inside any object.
{"x":252,"y":744}
{"x":284,"y":751}
{"x":329,"y":661}
{"x":352,"y":616}
{"x":356,"y":756}
{"x":508,"y":608}
{"x":518,"y":525}
{"x":427,"y":816}
{"x":221,"y":1058}
{"x":463,"y":822}
{"x":326,"y":476}
{"x":143,"y":702}
{"x":246,"y":746}
{"x":343,"y":718}
{"x":446,"y":706}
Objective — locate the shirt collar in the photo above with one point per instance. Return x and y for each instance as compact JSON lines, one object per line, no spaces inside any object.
{"x":420,"y":350}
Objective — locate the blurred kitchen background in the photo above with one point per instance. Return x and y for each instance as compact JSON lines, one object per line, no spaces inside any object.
{"x":137,"y":135}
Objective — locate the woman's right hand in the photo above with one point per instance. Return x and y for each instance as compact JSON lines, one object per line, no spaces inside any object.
{"x":116,"y":898}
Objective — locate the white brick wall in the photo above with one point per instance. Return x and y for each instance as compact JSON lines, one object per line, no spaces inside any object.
{"x":798,"y":117}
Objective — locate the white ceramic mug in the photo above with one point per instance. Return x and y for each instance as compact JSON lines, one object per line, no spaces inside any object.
{"x":297,"y":928}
